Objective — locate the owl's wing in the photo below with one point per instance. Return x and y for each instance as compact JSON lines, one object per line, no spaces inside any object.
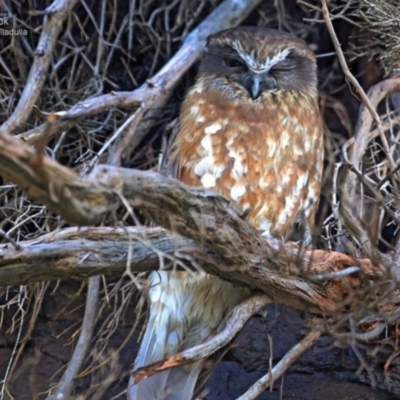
{"x":169,"y":165}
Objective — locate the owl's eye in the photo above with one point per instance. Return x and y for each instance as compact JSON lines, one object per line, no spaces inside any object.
{"x":233,"y":63}
{"x":285,"y":65}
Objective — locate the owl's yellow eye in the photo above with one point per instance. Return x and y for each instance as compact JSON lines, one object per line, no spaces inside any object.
{"x":234,"y":63}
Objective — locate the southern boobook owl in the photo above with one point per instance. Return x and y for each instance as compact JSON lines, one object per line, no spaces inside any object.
{"x":249,"y":129}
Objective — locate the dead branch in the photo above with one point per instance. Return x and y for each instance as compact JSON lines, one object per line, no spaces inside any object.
{"x":194,"y":213}
{"x":354,"y":156}
{"x":343,"y":63}
{"x":363,"y":134}
{"x":80,"y":253}
{"x":50,"y":183}
{"x":54,"y":18}
{"x":83,"y":252}
{"x":368,"y":114}
{"x":158,"y":88}
{"x":66,"y":384}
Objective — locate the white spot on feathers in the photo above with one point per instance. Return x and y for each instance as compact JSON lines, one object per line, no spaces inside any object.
{"x":218,"y":170}
{"x":238,"y":167}
{"x":302,"y":181}
{"x":292,"y":200}
{"x":198,"y":89}
{"x":211,"y":129}
{"x":229,"y":143}
{"x":194,"y":110}
{"x":204,"y":165}
{"x":307,"y":145}
{"x":297,"y":151}
{"x":271,"y":145}
{"x":284,"y":139}
{"x":246,"y":206}
{"x":289,"y":204}
{"x":206,"y":143}
{"x":286,"y":178}
{"x":262,"y":183}
{"x":237,"y":192}
{"x":208,"y":180}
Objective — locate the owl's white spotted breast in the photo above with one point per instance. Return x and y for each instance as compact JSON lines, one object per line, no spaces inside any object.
{"x":266,"y":156}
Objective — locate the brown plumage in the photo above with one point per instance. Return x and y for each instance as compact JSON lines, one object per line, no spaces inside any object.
{"x":249,"y":129}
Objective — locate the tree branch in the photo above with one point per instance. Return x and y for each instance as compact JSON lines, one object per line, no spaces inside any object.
{"x":66,"y":384}
{"x":54,"y":18}
{"x":159,"y":87}
{"x":194,"y":213}
{"x":83,"y":252}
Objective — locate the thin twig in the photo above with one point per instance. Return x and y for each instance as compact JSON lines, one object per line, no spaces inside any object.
{"x":360,"y":91}
{"x":123,"y":141}
{"x":66,"y":384}
{"x":290,"y":357}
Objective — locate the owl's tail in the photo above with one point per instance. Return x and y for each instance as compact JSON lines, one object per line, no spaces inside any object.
{"x":172,"y":384}
{"x":163,"y":338}
{"x":185,"y":310}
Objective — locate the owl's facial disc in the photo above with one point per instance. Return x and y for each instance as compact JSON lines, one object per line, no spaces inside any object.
{"x":259,"y":76}
{"x":251,"y":64}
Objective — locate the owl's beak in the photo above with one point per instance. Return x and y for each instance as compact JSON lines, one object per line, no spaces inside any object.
{"x":261,"y":83}
{"x":255,"y":86}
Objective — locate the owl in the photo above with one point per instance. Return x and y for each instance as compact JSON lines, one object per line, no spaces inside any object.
{"x":249,"y":129}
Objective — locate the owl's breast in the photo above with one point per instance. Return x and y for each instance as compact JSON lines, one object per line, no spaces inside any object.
{"x":267,"y":159}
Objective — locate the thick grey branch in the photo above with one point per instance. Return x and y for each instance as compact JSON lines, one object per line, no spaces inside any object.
{"x":198,"y":214}
{"x":80,"y":253}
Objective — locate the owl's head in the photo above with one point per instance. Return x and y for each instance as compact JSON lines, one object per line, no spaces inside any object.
{"x":249,"y":62}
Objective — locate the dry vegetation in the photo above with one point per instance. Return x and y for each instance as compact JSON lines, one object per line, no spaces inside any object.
{"x":96,"y":86}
